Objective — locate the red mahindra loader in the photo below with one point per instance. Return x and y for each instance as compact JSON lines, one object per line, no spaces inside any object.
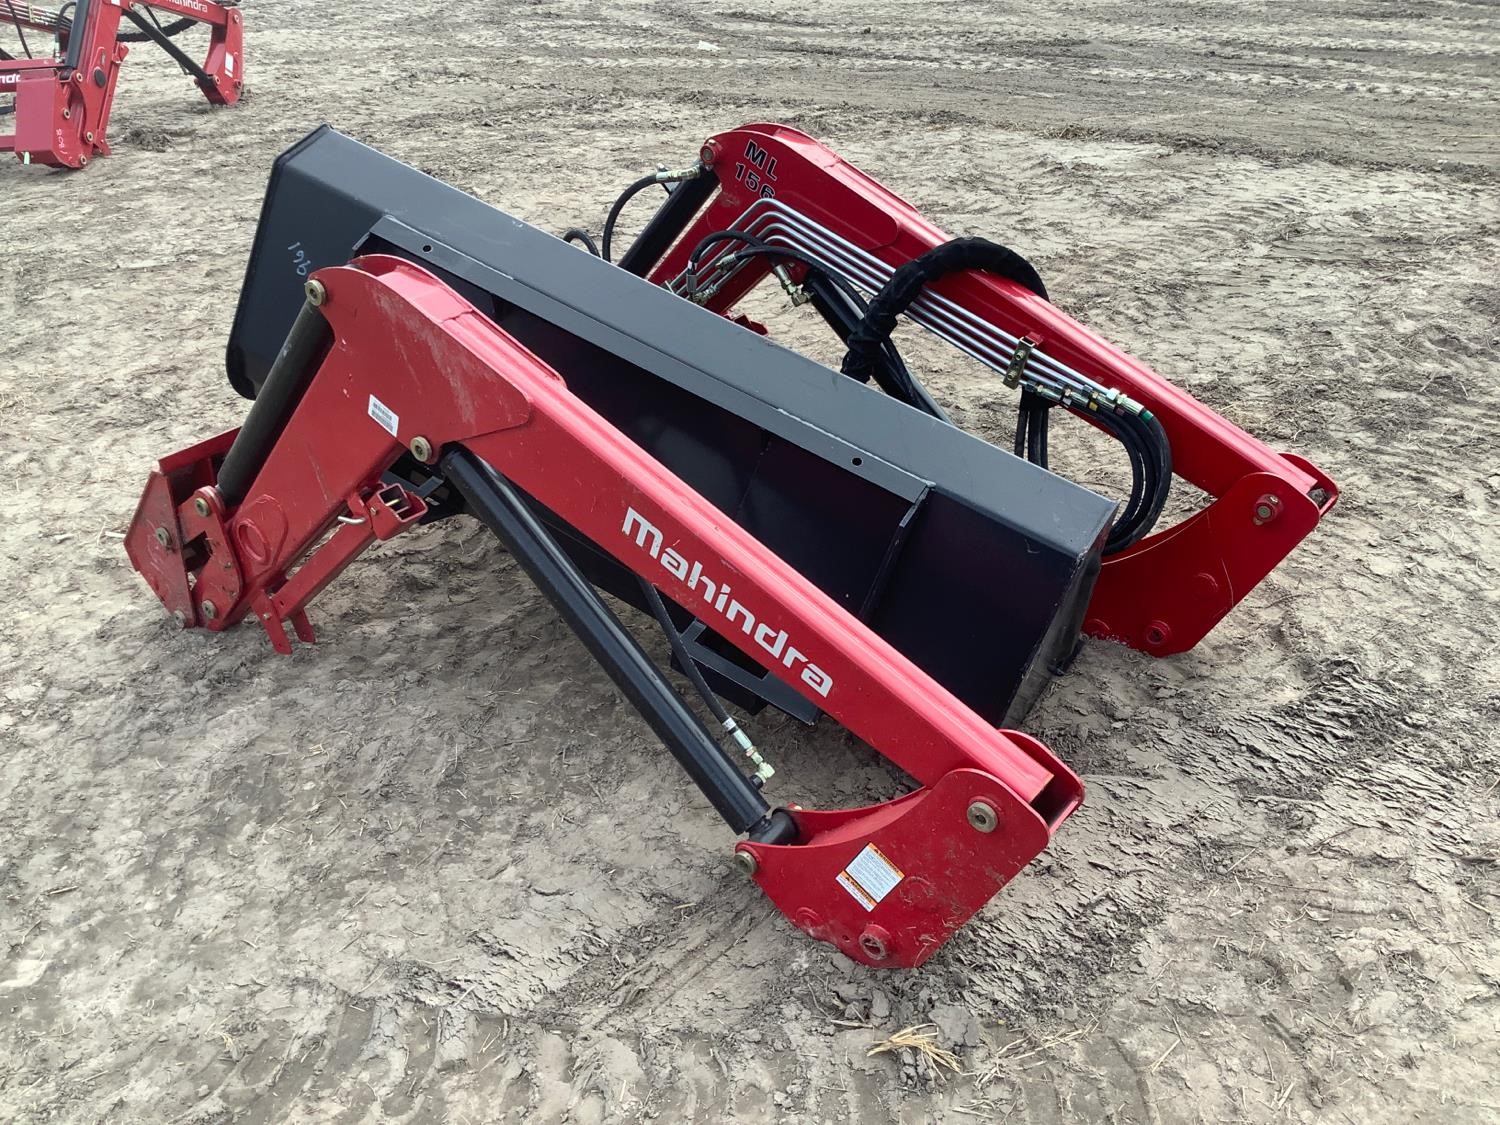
{"x":61,"y":101}
{"x":822,"y":541}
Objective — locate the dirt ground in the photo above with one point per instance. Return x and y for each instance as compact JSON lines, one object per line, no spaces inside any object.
{"x":435,"y":868}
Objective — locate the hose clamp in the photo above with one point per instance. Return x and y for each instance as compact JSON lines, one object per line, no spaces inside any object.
{"x":1017,"y":366}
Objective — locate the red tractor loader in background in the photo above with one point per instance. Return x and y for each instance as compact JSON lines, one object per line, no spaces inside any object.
{"x":60,"y":102}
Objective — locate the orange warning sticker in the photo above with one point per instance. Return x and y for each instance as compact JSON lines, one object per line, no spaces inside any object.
{"x":870,"y":876}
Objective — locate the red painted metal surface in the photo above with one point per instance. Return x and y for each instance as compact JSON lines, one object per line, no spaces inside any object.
{"x":1164,"y":594}
{"x":890,"y":883}
{"x":61,"y":114}
{"x":413,"y":364}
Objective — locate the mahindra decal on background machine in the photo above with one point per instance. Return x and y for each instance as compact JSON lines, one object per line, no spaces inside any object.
{"x":802,"y":539}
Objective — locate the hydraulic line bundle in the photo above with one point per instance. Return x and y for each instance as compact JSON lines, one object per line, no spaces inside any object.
{"x":61,"y":101}
{"x":825,"y":542}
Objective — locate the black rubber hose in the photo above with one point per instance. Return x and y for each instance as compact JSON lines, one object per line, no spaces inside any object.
{"x":723,"y":236}
{"x":893,"y":376}
{"x":1142,"y":436}
{"x":842,"y":310}
{"x":619,"y":205}
{"x":170,"y":30}
{"x":1161,"y":448}
{"x":1124,"y":531}
{"x":907,"y":283}
{"x":1150,"y":455}
{"x":21,"y":31}
{"x":679,"y":650}
{"x":1031,"y":428}
{"x":578,"y":234}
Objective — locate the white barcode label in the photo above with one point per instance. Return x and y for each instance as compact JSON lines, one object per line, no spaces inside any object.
{"x":870,"y":877}
{"x":384,"y":415}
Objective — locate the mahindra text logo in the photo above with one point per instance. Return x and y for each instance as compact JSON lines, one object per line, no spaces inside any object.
{"x":690,"y":574}
{"x":193,"y":5}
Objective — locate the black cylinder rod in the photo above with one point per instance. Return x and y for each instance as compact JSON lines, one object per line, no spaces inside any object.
{"x":160,"y":38}
{"x":286,"y":382}
{"x":497,"y":503}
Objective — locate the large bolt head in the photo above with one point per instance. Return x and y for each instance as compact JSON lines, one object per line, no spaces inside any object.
{"x":747,"y":864}
{"x":316,"y":294}
{"x":210,"y":611}
{"x":164,"y":537}
{"x":200,"y":505}
{"x":982,"y":816}
{"x":421,"y":449}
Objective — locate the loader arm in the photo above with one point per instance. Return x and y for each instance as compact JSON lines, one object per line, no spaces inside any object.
{"x":386,"y":361}
{"x":1162,"y":594}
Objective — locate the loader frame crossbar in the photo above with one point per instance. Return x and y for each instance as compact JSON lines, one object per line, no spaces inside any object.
{"x":62,"y":102}
{"x":396,"y":363}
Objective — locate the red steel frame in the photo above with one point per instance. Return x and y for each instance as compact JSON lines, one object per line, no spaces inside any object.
{"x":989,"y":800}
{"x":62,"y":114}
{"x":1164,"y":594}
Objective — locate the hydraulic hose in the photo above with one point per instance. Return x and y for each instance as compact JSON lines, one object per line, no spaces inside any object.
{"x":892,"y":373}
{"x":583,"y":238}
{"x":872,"y":354}
{"x":619,"y":205}
{"x":1140,"y":433}
{"x":170,"y":30}
{"x":763,"y":770}
{"x":679,"y":650}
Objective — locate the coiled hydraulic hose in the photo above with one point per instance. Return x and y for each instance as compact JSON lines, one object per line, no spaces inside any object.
{"x":1139,"y":432}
